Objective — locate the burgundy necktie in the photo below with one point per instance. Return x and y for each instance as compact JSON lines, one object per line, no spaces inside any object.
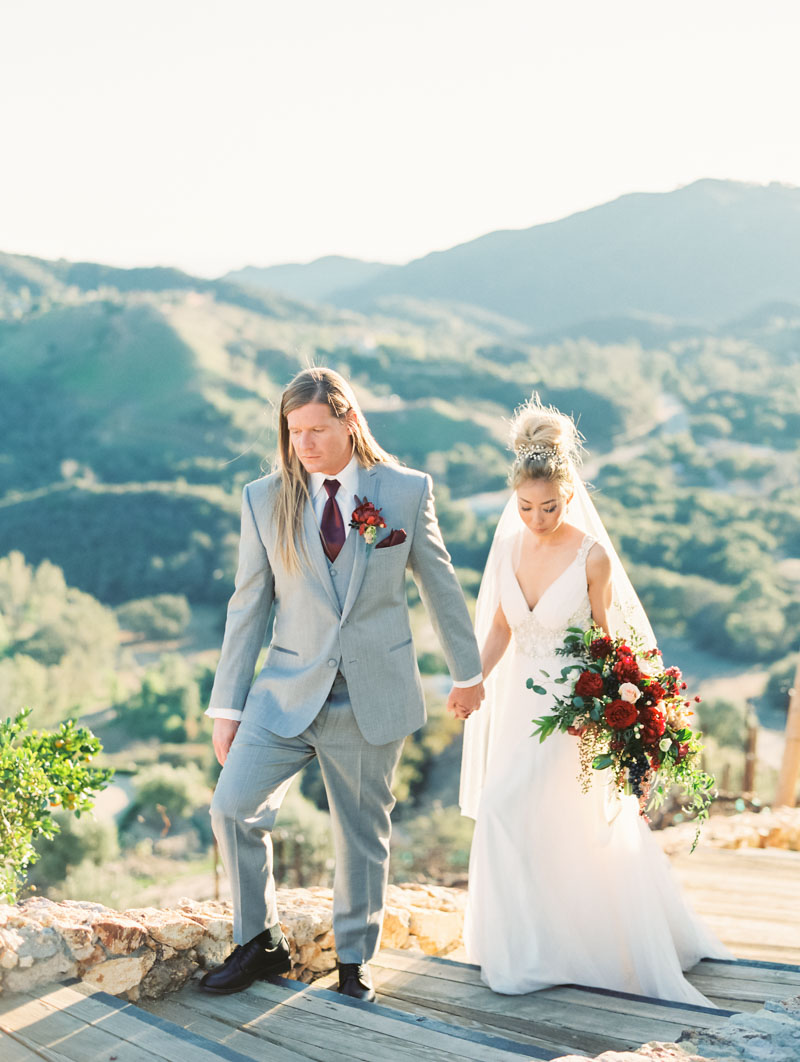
{"x":332,"y":524}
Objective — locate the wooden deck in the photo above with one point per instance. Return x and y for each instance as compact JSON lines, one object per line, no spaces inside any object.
{"x":750,"y":897}
{"x":430,"y":1010}
{"x":437,"y":1009}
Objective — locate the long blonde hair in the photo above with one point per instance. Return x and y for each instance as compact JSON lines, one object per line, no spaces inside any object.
{"x":329,"y":387}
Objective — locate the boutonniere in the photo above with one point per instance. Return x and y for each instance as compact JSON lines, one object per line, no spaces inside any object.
{"x":367,"y":519}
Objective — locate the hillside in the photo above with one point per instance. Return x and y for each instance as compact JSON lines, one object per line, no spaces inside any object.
{"x":316,"y":280}
{"x":136,"y":403}
{"x":706,"y":253}
{"x":134,"y":411}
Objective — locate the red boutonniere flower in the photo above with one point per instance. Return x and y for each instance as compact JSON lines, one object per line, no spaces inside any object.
{"x":367,"y":519}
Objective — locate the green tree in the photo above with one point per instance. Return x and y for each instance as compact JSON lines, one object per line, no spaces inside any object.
{"x":160,"y":616}
{"x":58,"y":645}
{"x":39,"y":772}
{"x":168,"y":794}
{"x":78,"y":842}
{"x":168,"y":704}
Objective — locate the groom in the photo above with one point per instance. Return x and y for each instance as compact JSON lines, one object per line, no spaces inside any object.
{"x":340,"y":679}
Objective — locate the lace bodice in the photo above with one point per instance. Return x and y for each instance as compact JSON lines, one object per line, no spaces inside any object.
{"x":540,"y":631}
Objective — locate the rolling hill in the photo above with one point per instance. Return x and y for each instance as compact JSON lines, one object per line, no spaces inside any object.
{"x":703,"y":254}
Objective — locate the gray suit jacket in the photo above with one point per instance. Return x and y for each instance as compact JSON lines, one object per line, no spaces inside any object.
{"x":369,"y":637}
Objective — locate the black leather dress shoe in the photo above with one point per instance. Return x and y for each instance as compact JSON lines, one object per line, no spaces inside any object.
{"x":245,"y":964}
{"x":355,"y":980}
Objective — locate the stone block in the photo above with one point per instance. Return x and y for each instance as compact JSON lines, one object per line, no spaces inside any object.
{"x":173,"y":928}
{"x":396,"y":927}
{"x":28,"y":974}
{"x":120,"y":935}
{"x":119,"y":975}
{"x":168,"y":976}
{"x":437,"y":932}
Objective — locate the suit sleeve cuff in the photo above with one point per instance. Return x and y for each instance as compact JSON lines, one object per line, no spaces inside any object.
{"x":468,"y":682}
{"x":224,"y":713}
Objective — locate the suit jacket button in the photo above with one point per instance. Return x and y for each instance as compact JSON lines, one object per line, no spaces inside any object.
{"x":332,"y":662}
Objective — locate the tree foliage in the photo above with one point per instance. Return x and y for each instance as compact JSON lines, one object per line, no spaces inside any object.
{"x":40,"y":771}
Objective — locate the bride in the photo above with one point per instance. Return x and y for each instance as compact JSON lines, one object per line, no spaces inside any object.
{"x":564,"y":887}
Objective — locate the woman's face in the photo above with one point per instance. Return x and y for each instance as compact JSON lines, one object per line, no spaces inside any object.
{"x":542,"y":505}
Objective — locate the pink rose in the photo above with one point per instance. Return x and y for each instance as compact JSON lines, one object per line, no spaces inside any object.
{"x":630,"y":693}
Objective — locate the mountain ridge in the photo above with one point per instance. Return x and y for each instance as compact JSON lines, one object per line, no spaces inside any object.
{"x":708,"y":252}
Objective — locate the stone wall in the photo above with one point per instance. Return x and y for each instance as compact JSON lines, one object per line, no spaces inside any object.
{"x":770,"y":828}
{"x":146,"y":952}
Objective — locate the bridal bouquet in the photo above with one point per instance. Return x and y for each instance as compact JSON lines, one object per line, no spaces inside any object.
{"x":631,"y":716}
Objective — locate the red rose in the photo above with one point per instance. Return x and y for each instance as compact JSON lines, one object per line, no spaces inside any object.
{"x":620,"y":714}
{"x":654,"y":726}
{"x":627,"y":670}
{"x":600,"y":648}
{"x":654,"y":692}
{"x":624,"y":650}
{"x":589,"y":684}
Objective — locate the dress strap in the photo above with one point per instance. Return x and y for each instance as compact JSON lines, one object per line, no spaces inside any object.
{"x":583,"y":549}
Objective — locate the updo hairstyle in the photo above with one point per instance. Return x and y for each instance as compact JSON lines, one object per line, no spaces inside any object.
{"x":546,"y":445}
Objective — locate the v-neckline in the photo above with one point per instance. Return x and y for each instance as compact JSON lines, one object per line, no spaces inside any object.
{"x":550,"y":585}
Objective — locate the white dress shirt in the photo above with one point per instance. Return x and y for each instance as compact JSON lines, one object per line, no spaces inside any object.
{"x":345,"y":498}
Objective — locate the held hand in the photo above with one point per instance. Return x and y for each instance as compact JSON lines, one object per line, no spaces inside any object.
{"x":464,"y":700}
{"x":223,"y":734}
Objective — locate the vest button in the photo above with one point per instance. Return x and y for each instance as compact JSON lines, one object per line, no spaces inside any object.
{"x":333,"y":572}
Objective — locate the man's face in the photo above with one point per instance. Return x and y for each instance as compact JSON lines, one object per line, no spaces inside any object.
{"x":321,"y":441}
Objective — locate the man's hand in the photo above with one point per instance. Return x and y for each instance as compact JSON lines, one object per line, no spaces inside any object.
{"x":464,"y":700}
{"x":222,"y":737}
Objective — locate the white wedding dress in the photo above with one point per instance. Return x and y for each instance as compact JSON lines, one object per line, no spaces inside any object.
{"x":566,"y":887}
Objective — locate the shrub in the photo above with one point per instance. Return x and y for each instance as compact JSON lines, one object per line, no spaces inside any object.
{"x":39,"y":772}
{"x":160,"y":616}
{"x":174,"y":792}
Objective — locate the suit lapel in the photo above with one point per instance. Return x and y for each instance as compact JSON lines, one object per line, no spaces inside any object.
{"x":369,"y":488}
{"x":316,"y":553}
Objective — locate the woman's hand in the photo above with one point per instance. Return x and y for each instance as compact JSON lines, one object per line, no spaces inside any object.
{"x":223,"y":734}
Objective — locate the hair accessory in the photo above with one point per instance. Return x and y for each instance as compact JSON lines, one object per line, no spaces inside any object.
{"x":542,"y":453}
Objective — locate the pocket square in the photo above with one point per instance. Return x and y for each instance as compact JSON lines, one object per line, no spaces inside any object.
{"x":395,"y":537}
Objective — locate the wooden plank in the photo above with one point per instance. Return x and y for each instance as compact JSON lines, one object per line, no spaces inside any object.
{"x":42,"y":1027}
{"x":618,"y":1002}
{"x":549,"y":1020}
{"x":464,"y":1021}
{"x":750,"y":971}
{"x":739,"y":989}
{"x":13,"y":1050}
{"x":35,"y":1051}
{"x":242,"y":1040}
{"x":134,"y":1025}
{"x":769,"y":933}
{"x":332,"y":1030}
{"x":736,"y":1005}
{"x":476,"y":1045}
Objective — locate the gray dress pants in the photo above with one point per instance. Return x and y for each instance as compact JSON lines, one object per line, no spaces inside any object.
{"x":358,"y":778}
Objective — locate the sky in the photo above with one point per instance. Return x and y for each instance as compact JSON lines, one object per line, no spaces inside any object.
{"x":211,"y":135}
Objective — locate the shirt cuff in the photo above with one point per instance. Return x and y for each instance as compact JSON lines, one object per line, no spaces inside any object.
{"x":224,"y":713}
{"x":468,"y":682}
